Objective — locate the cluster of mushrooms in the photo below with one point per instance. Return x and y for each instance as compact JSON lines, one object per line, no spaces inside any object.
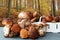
{"x":50,"y":18}
{"x":24,"y":27}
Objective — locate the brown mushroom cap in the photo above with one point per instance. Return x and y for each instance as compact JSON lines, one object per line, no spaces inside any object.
{"x":7,"y":21}
{"x":25,"y":14}
{"x":33,"y":33}
{"x":30,"y":14}
{"x":44,"y":20}
{"x":49,"y":18}
{"x":36,"y":14}
{"x":56,"y":19}
{"x":24,"y":33}
{"x":16,"y":28}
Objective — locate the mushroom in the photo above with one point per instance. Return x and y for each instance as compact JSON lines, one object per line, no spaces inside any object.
{"x":44,"y":20}
{"x":56,"y":18}
{"x":42,"y":30}
{"x":28,"y":15}
{"x":7,"y":22}
{"x":25,"y":14}
{"x":36,"y":16}
{"x":24,"y":19}
{"x":49,"y":18}
{"x":24,"y":33}
{"x":37,"y":26}
{"x":24,"y":23}
{"x":33,"y":32}
{"x":15,"y":30}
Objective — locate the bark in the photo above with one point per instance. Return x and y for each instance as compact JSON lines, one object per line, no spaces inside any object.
{"x":20,"y":4}
{"x":9,"y":4}
{"x":54,"y":11}
{"x":17,"y":5}
{"x":39,"y":7}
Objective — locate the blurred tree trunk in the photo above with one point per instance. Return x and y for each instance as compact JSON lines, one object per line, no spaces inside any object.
{"x":36,"y":4}
{"x":20,"y":4}
{"x":17,"y":5}
{"x":54,"y":10}
{"x":32,"y":4}
{"x":26,"y":3}
{"x":13,"y":4}
{"x":39,"y":7}
{"x":56,"y":5}
{"x":3,"y":2}
{"x":9,"y":6}
{"x":6,"y":3}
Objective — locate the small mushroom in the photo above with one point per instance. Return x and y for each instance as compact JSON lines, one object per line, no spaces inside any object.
{"x":36,"y":17}
{"x":15,"y":29}
{"x":49,"y":18}
{"x":33,"y":32}
{"x":7,"y":22}
{"x":44,"y":20}
{"x":25,"y":14}
{"x":24,"y":33}
{"x":42,"y":30}
{"x":24,"y":23}
{"x":41,"y":33}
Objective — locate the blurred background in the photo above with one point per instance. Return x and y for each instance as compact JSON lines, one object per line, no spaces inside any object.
{"x":11,"y":8}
